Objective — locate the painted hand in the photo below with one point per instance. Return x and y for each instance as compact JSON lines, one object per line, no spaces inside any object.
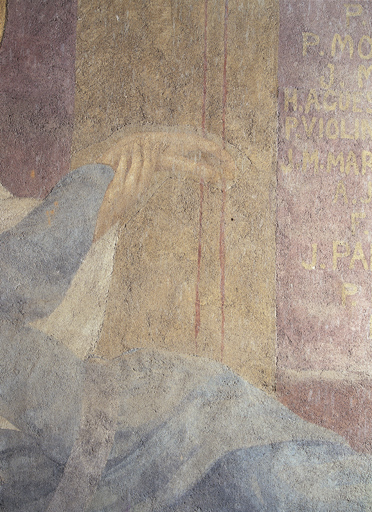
{"x":136,"y":158}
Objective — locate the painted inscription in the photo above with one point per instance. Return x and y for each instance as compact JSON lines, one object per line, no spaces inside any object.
{"x":324,"y":232}
{"x":325,"y":187}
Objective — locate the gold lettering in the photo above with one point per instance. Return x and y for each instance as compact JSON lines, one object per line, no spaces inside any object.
{"x":352,"y":10}
{"x":356,"y":100}
{"x":366,"y":127}
{"x":323,"y":83}
{"x":290,"y":99}
{"x":351,"y":162}
{"x":308,"y":39}
{"x":288,"y":168}
{"x":345,"y":135}
{"x":369,"y":196}
{"x":308,"y":129}
{"x":342,"y":43}
{"x":332,"y":134}
{"x":369,"y":99}
{"x":321,"y":127}
{"x":358,"y":256}
{"x":326,"y":105}
{"x":368,"y":41}
{"x":308,"y":159}
{"x":344,"y":106}
{"x":363,"y":72}
{"x":332,"y":161}
{"x":311,"y":266}
{"x":291,"y":123}
{"x":340,"y":190}
{"x":347,"y":290}
{"x":356,"y":130}
{"x":337,"y":255}
{"x":312,"y":99}
{"x":366,"y":161}
{"x":354,"y":221}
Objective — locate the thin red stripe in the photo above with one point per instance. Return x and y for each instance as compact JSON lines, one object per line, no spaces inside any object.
{"x":224,"y":92}
{"x":205,"y":65}
{"x":204,"y":103}
{"x":197,"y":299}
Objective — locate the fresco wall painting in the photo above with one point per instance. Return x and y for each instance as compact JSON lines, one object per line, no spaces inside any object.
{"x":175,"y":264}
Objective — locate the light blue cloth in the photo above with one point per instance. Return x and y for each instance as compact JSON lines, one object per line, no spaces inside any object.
{"x":190,"y":434}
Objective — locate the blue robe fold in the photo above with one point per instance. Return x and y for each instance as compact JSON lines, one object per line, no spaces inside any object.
{"x":188,"y":434}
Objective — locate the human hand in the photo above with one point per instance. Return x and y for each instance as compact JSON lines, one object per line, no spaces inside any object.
{"x":137,"y":157}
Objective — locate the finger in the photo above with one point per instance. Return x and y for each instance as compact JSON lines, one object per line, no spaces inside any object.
{"x":193,"y":169}
{"x":117,"y":198}
{"x":118,"y":181}
{"x":173,"y":144}
{"x":122,"y":168}
{"x":212,"y":171}
{"x":189,"y":142}
{"x":176,"y":143}
{"x":186,"y":146}
{"x":136,"y":164}
{"x":113,"y":155}
{"x":149,"y":161}
{"x":145,"y":151}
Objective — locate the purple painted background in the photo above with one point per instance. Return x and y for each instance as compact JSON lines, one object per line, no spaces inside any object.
{"x":324,"y":290}
{"x":37,"y":84}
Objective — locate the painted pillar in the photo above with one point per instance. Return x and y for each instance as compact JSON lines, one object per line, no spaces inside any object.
{"x":37,"y":83}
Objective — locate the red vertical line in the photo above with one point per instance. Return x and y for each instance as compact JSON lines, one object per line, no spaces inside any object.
{"x":224,"y":88}
{"x":204,"y":102}
{"x":197,"y":299}
{"x":205,"y":66}
{"x":223,"y":205}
